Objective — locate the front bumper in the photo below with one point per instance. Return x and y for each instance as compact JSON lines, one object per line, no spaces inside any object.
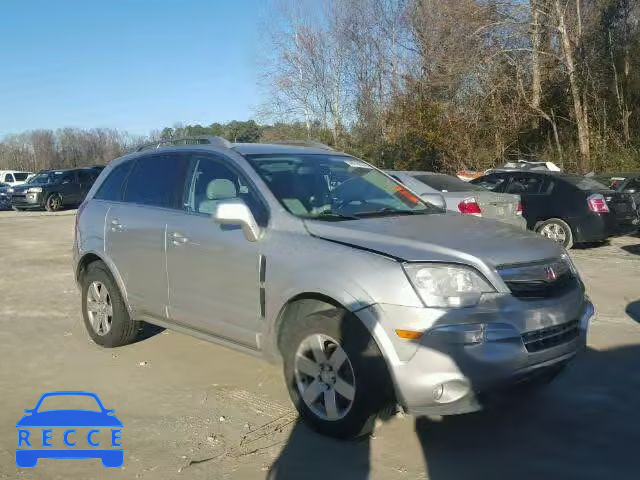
{"x":27,"y":200}
{"x":431,"y":377}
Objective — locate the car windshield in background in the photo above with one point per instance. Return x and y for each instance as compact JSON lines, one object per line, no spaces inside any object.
{"x":46,"y":177}
{"x":334,"y":187}
{"x":584,"y":183}
{"x":446,"y":183}
{"x":20,"y":177}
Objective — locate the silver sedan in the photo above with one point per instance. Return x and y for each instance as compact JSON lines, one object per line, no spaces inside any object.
{"x":463,"y":197}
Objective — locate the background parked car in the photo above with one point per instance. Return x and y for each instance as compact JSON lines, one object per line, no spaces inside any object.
{"x":463,"y":197}
{"x":13,"y":177}
{"x":54,"y":189}
{"x":566,"y":208}
{"x":628,"y":183}
{"x":5,"y":201}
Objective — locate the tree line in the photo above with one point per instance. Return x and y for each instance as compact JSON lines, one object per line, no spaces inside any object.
{"x":451,"y":84}
{"x":438,"y":85}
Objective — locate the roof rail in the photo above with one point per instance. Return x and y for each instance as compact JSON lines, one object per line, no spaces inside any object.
{"x":303,"y":143}
{"x":200,"y":140}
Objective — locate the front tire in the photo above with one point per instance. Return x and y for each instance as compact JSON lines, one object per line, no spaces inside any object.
{"x":335,"y":373}
{"x":556,"y":230}
{"x":53,"y":203}
{"x":105,"y":313}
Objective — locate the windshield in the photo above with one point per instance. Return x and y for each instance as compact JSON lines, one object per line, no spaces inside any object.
{"x":334,"y":187}
{"x":447,"y":183}
{"x":584,"y":183}
{"x":66,"y":402}
{"x":44,"y":177}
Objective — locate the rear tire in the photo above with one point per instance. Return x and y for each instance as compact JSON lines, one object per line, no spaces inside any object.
{"x":351,"y":365}
{"x":556,"y":230}
{"x":104,"y":311}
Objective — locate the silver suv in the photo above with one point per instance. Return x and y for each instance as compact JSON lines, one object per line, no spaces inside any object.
{"x":369,"y":296}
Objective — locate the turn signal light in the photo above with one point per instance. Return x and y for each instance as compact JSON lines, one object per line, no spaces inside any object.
{"x":408,"y":334}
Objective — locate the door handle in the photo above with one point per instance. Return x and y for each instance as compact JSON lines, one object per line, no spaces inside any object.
{"x":116,"y":226}
{"x":178,"y":239}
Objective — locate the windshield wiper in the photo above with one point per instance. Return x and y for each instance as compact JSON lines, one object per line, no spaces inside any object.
{"x":387,"y":211}
{"x":331,"y":214}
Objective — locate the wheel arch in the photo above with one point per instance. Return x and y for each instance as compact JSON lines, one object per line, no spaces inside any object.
{"x":302,"y":304}
{"x":90,"y":257}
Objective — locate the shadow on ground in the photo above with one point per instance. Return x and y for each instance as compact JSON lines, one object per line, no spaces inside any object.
{"x":582,"y":426}
{"x":633,"y":310}
{"x":633,"y":249}
{"x":147,"y":331}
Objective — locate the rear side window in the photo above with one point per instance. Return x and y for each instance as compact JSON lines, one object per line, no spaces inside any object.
{"x":86,"y":176}
{"x":9,"y":178}
{"x":157,"y":180}
{"x":21,"y":177}
{"x":111,"y":188}
{"x":527,"y":185}
{"x":584,"y":183}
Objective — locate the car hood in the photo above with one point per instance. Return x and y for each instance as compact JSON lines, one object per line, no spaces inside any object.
{"x":69,"y":418}
{"x":440,"y":237}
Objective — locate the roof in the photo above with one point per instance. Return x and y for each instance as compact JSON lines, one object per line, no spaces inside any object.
{"x":272,"y":148}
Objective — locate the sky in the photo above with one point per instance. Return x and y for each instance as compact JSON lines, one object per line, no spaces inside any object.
{"x":134,"y":65}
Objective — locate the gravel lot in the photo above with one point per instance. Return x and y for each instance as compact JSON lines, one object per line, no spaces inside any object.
{"x":194,"y":410}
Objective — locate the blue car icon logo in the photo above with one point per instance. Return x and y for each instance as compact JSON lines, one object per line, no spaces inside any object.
{"x":84,"y":433}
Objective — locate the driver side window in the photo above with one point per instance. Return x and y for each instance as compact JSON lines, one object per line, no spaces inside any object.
{"x":213,"y":181}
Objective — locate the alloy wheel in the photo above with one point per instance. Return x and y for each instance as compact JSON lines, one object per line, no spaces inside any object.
{"x":554,"y":231}
{"x":99,"y":308}
{"x":54,"y":203}
{"x":324,"y":377}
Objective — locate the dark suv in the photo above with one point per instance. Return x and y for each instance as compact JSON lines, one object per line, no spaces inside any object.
{"x":567,"y":208}
{"x":54,"y":189}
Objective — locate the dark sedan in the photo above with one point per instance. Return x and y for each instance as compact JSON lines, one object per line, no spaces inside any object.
{"x":567,"y":208}
{"x":627,"y":183}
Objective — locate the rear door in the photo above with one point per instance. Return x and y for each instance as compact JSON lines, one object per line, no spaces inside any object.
{"x":136,"y":229}
{"x":535,"y":193}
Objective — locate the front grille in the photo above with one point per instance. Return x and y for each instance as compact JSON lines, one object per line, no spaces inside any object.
{"x":542,"y":289}
{"x":548,"y":279}
{"x":550,"y":337}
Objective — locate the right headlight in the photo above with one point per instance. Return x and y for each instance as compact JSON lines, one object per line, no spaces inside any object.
{"x":443,"y":285}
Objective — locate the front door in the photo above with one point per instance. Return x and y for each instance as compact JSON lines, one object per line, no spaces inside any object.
{"x":69,"y":187}
{"x":213,"y":269}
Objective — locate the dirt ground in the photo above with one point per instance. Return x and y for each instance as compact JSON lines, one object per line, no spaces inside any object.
{"x":194,"y":410}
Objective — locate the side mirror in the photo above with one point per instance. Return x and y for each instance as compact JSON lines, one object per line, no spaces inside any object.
{"x":236,"y":212}
{"x":434,"y":199}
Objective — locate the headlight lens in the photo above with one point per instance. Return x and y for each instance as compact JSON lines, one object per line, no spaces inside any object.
{"x":572,"y":266}
{"x":447,"y":285}
{"x":34,"y":190}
